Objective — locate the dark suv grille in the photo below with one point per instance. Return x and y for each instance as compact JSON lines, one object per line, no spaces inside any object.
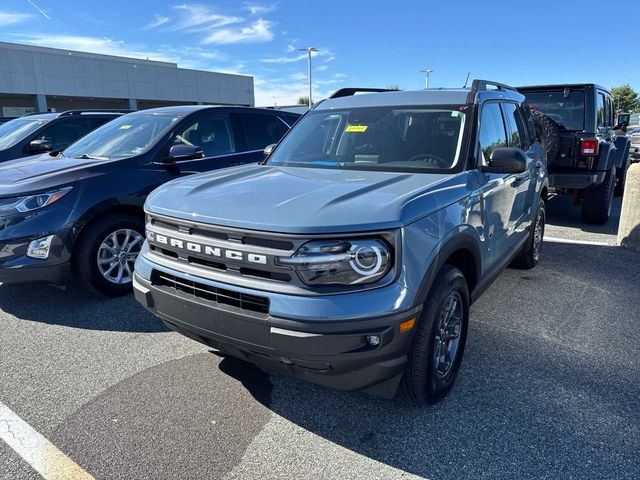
{"x":220,"y":296}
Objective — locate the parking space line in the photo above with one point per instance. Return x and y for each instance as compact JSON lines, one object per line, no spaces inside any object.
{"x":578,"y":242}
{"x":43,"y":456}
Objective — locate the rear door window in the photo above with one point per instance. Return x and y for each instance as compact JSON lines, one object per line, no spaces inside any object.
{"x":262,"y":129}
{"x":600,"y":109}
{"x":515,"y":124}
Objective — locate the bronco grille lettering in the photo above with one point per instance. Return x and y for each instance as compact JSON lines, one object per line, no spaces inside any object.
{"x":207,"y":250}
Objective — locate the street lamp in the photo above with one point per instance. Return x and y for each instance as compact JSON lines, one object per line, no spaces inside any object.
{"x":428,"y":73}
{"x":309,"y":50}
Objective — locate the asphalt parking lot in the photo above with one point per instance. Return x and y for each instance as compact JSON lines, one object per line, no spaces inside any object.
{"x":549,"y":387}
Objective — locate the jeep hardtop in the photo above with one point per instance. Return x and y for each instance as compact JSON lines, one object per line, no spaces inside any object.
{"x":585,"y":157}
{"x":350,"y":255}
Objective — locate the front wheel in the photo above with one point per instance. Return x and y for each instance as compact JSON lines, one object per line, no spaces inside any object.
{"x":107,"y":251}
{"x":438,"y":344}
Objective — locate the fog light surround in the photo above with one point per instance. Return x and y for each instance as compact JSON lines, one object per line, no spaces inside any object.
{"x":39,"y":248}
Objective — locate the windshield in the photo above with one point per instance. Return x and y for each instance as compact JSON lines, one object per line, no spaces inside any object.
{"x":126,"y":136}
{"x":375,"y":138}
{"x":15,"y":130}
{"x":566,"y":110}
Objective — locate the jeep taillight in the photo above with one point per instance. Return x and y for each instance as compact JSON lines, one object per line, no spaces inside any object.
{"x":589,"y":147}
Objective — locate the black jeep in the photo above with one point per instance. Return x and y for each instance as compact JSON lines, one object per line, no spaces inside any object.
{"x":585,"y":157}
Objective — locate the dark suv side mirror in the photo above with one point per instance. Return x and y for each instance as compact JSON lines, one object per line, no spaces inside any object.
{"x":506,"y":160}
{"x":268,"y":149}
{"x":39,"y":146}
{"x":183,"y":152}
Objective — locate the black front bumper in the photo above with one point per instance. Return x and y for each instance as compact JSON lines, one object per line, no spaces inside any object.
{"x":56,"y":274}
{"x":334,"y":354}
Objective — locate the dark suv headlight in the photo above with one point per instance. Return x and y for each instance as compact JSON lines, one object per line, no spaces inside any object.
{"x":346,"y":262}
{"x":10,"y":206}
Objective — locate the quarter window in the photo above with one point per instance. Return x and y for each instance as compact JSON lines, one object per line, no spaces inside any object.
{"x":601,"y":110}
{"x":492,"y":131}
{"x":518,"y":134}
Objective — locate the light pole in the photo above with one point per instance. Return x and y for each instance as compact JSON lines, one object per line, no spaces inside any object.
{"x":428,"y":73}
{"x":309,"y":50}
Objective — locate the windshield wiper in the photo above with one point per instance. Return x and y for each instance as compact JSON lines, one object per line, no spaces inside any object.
{"x":84,"y":156}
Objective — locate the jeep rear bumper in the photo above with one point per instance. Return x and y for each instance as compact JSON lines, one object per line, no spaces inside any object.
{"x":336,"y":354}
{"x":578,"y":180}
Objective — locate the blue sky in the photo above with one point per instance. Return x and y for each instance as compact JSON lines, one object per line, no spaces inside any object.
{"x":362,"y":43}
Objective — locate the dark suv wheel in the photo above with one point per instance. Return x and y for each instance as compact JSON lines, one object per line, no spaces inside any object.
{"x":438,"y":344}
{"x":597,"y":200}
{"x":107,"y":251}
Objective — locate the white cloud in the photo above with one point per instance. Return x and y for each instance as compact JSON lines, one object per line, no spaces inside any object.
{"x":158,"y":20}
{"x":257,"y":32}
{"x":269,"y":92}
{"x":196,"y":17}
{"x":256,"y":9}
{"x":285,"y":59}
{"x":12,"y":18}
{"x":322,"y":68}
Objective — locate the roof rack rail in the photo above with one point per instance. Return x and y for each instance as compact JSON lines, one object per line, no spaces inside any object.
{"x":80,"y":111}
{"x":481,"y":86}
{"x":349,"y":91}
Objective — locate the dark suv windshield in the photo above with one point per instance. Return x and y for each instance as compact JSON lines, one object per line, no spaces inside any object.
{"x":15,"y":130}
{"x":126,"y":136}
{"x":375,"y":138}
{"x":566,"y":110}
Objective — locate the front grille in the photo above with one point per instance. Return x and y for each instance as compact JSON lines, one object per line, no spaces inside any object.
{"x":221,"y":297}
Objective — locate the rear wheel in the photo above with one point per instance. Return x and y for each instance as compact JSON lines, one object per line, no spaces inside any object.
{"x":439,"y":341}
{"x":529,"y":255}
{"x":597,"y":200}
{"x":107,"y":251}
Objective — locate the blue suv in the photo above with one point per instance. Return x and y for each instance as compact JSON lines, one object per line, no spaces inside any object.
{"x":350,"y":256}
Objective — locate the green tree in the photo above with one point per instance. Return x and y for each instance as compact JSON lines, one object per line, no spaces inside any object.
{"x":303,"y":101}
{"x":625,"y":99}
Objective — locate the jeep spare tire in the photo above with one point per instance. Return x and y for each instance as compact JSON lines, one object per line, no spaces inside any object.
{"x":549,"y":134}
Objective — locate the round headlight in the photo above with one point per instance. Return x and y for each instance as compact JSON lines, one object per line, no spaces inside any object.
{"x":367,"y":260}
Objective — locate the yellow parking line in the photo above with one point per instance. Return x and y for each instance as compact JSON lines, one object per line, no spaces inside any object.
{"x":43,"y":456}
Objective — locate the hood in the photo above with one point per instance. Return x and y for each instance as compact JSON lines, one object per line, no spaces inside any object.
{"x":39,"y":173}
{"x":307,"y":200}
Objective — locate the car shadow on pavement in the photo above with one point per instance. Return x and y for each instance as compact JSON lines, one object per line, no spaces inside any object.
{"x":547,"y":389}
{"x":76,"y":307}
{"x":562,"y":212}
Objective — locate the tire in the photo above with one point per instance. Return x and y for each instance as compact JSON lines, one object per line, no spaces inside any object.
{"x":529,"y":255}
{"x":597,"y":200}
{"x":621,"y":176}
{"x":425,"y":380}
{"x":549,"y":134}
{"x":104,"y":237}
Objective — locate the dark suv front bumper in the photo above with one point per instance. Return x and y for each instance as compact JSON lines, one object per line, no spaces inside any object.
{"x":331,"y":353}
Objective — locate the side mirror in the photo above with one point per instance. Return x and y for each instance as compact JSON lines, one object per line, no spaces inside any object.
{"x":183,"y":152}
{"x":506,"y":160}
{"x":39,"y":146}
{"x":268,"y":149}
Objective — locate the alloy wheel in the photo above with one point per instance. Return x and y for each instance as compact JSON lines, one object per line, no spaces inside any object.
{"x":117,"y":254}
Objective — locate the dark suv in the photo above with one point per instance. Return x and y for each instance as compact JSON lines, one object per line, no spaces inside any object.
{"x":81,"y":210}
{"x":584,"y":155}
{"x":47,"y":132}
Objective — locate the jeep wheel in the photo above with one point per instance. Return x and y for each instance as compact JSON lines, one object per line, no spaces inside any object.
{"x":529,"y":255}
{"x":549,"y":134}
{"x":106,"y":252}
{"x":597,"y":200}
{"x":438,"y":344}
{"x":621,"y":177}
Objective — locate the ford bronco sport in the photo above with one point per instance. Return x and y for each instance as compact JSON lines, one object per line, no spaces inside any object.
{"x":585,"y":157}
{"x":350,"y":256}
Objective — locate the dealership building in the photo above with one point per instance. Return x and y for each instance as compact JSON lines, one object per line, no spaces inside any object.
{"x":49,"y":79}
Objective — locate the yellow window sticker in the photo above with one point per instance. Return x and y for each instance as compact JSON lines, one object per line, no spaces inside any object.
{"x":357,"y":128}
{"x":124,"y":127}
